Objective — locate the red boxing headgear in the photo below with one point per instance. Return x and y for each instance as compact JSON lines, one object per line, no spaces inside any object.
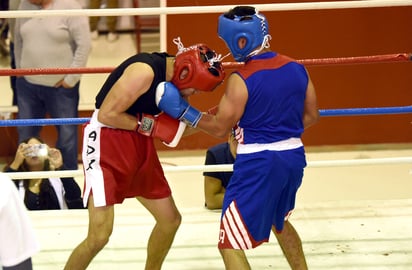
{"x":204,"y":68}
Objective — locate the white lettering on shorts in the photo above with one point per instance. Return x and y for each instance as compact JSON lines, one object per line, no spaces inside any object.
{"x":91,"y":149}
{"x":222,"y":236}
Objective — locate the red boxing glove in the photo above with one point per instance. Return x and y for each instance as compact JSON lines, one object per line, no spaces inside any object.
{"x":162,"y":126}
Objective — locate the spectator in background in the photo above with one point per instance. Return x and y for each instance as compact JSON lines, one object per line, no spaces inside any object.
{"x":13,"y":5}
{"x":4,"y":30}
{"x":111,"y":21}
{"x":51,"y":42}
{"x":17,"y":239}
{"x":42,"y":193}
{"x":216,"y":182}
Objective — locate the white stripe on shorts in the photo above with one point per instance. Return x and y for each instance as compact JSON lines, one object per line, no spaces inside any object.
{"x":288,"y":144}
{"x":235,"y":229}
{"x":91,"y":163}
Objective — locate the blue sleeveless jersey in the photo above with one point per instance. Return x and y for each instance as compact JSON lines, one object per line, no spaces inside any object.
{"x":277,"y":89}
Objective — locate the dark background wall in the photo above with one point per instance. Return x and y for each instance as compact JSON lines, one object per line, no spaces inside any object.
{"x":305,"y":35}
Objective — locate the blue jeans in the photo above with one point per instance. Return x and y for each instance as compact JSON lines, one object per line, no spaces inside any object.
{"x":35,"y":101}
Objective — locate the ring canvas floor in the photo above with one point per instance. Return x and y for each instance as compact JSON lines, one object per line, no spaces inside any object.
{"x":354,"y":217}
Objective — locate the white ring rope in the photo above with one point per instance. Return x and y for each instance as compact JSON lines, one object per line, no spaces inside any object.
{"x":203,"y":9}
{"x":220,"y":168}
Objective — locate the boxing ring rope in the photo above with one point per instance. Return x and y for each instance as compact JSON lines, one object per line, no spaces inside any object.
{"x":229,"y":167}
{"x":384,"y":58}
{"x":323,"y":112}
{"x":402,"y":57}
{"x":203,"y":9}
{"x":371,"y":59}
{"x":222,"y":168}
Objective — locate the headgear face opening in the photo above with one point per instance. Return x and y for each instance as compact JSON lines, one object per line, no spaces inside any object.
{"x":243,"y":22}
{"x":203,"y":66}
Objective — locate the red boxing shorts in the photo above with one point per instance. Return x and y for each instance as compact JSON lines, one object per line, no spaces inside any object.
{"x":120,"y":164}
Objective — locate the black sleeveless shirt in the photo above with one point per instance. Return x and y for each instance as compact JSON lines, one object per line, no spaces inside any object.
{"x":146,"y":102}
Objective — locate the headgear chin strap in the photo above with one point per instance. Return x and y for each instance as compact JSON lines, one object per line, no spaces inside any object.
{"x":244,"y":22}
{"x":203,"y":66}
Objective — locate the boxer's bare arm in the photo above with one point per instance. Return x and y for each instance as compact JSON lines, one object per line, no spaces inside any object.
{"x":134,"y":82}
{"x":230,"y":109}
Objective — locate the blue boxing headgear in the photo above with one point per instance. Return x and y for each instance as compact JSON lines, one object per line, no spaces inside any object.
{"x":243,"y":22}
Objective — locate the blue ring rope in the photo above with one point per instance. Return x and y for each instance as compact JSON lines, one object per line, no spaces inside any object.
{"x":327,"y":112}
{"x":366,"y":111}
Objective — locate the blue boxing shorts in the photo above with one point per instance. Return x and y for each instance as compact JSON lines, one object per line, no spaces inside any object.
{"x":261,"y":194}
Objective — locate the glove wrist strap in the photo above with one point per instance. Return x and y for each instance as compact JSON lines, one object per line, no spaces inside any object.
{"x":146,"y":124}
{"x":191,"y":116}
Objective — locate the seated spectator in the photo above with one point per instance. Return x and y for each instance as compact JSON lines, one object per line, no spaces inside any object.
{"x":44,"y":194}
{"x":216,"y":182}
{"x":18,"y":242}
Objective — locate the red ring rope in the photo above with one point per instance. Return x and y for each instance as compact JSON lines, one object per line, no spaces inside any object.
{"x":386,"y":58}
{"x":400,"y":57}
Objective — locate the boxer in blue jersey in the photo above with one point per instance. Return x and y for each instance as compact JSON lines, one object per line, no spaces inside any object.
{"x":272,"y":100}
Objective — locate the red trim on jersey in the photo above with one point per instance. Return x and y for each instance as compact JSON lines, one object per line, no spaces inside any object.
{"x":261,"y":64}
